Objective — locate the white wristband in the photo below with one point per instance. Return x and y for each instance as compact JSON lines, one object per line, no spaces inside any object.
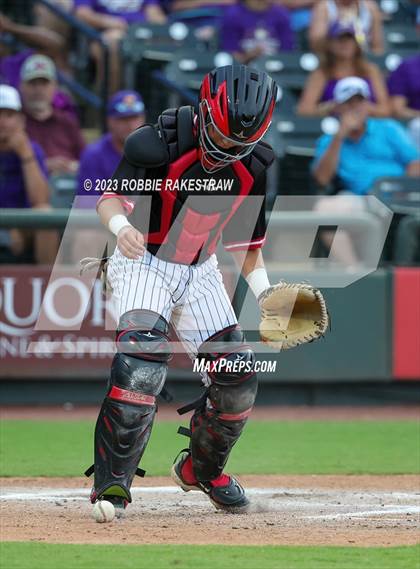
{"x":117,"y":222}
{"x":258,"y":281}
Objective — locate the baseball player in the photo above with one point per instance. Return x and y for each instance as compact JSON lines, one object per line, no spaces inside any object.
{"x":164,"y":270}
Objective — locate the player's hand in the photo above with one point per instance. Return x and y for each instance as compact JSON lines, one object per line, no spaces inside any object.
{"x":130,"y":242}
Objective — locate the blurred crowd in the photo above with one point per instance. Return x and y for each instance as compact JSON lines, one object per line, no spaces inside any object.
{"x":43,"y":135}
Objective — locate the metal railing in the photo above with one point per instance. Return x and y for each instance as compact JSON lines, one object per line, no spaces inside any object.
{"x":40,"y":219}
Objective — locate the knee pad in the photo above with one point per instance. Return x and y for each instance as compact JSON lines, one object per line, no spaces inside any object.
{"x":229,"y":363}
{"x":141,"y":363}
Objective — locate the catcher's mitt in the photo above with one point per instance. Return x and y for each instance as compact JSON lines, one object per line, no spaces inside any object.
{"x":292,"y":314}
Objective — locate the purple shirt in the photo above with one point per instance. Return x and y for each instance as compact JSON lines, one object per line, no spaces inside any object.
{"x":130,"y":10}
{"x":244,"y":29}
{"x":12,"y":184}
{"x":98,"y":161}
{"x":328,"y":94}
{"x":405,"y":81}
{"x":10,"y":67}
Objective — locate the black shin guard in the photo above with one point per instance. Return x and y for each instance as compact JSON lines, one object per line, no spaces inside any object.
{"x":121,"y":435}
{"x":220,"y":417}
{"x":125,"y":421}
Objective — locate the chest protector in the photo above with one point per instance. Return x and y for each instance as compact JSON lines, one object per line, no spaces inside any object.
{"x":187,"y":225}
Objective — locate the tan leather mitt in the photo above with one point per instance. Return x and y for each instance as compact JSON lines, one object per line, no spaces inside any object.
{"x":292,"y":314}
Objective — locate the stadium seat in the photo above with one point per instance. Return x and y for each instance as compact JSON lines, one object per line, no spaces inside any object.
{"x":401,"y":37}
{"x":290,"y":70}
{"x":407,"y":241}
{"x":156,"y":42}
{"x":293,"y":139}
{"x":295,"y":172}
{"x":189,"y":67}
{"x":302,"y":132}
{"x":401,"y":194}
{"x":392,"y":59}
{"x":397,"y":11}
{"x":63,"y":190}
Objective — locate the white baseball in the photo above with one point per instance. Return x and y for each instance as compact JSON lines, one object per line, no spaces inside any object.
{"x":103,"y":511}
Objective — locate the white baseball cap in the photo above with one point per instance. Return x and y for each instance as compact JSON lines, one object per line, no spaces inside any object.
{"x":350,"y":87}
{"x":10,"y":98}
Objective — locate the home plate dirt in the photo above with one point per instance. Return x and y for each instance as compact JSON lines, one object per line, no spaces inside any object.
{"x":294,"y":510}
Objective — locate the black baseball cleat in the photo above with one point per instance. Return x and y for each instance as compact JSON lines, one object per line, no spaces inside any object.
{"x":225,"y":493}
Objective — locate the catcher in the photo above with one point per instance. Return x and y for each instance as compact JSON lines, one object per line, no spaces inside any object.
{"x":164,"y":271}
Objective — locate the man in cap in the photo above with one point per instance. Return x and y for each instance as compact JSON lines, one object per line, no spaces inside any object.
{"x":362,"y":150}
{"x":125,"y":113}
{"x":55,"y":131}
{"x":23,"y":182}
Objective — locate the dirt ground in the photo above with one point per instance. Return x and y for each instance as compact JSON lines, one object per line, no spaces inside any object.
{"x":286,"y":510}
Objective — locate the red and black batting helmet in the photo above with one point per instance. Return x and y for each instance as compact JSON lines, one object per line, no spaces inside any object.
{"x":238,"y":103}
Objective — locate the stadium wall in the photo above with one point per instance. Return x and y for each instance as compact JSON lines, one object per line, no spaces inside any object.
{"x":372,"y":347}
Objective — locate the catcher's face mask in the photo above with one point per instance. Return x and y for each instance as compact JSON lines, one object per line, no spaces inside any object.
{"x":214,"y":157}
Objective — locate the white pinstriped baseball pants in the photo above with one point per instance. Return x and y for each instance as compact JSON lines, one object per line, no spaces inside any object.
{"x":193,"y":298}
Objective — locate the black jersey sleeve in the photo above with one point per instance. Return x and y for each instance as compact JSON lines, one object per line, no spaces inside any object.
{"x":246,"y":229}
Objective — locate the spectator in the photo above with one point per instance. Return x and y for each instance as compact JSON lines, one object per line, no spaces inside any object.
{"x":100,"y":159}
{"x":254,"y":28}
{"x":343,"y":58}
{"x":413,"y":128}
{"x":111,"y":18}
{"x":55,"y":131}
{"x":48,"y":20}
{"x":23,"y":182}
{"x":404,"y":88}
{"x":10,"y":69}
{"x":363,"y":15}
{"x":363,"y":150}
{"x":44,"y":39}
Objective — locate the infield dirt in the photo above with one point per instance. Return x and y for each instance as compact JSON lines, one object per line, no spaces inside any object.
{"x":286,"y":510}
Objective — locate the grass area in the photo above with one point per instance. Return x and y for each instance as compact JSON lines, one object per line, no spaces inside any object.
{"x":60,"y":448}
{"x":28,"y":555}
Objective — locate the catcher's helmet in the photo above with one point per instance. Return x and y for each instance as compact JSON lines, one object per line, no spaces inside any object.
{"x":238,"y":102}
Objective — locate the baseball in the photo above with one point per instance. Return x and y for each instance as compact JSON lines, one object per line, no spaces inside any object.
{"x":103,"y":511}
